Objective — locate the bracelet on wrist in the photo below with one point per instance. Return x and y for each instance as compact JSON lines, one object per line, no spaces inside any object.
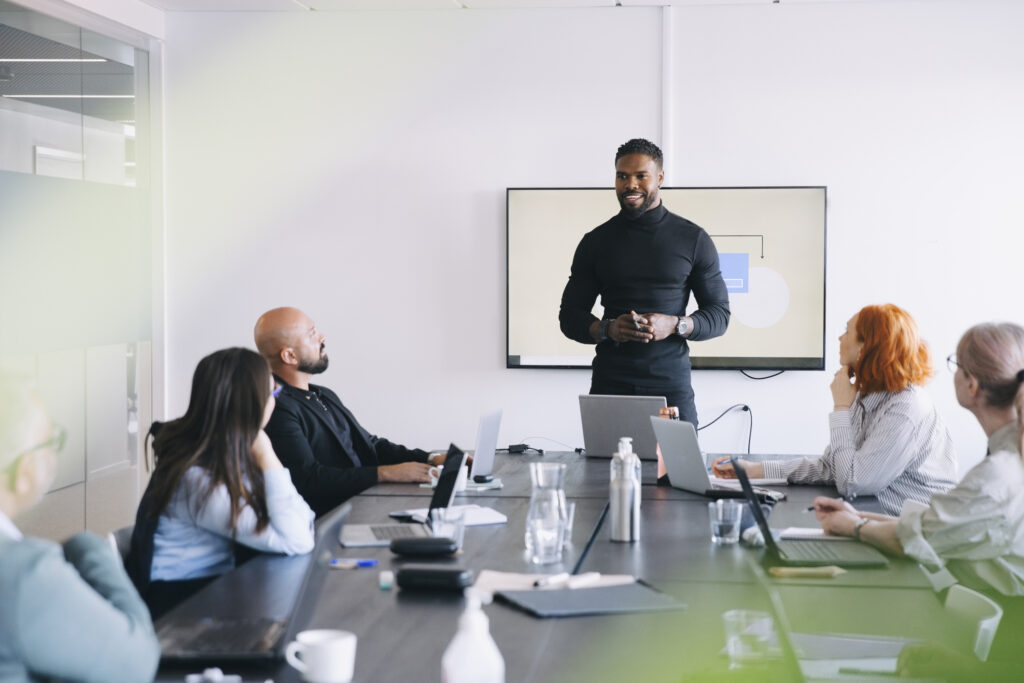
{"x":857,"y":527}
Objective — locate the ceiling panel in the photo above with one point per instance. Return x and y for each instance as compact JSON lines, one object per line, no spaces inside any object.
{"x":64,"y":82}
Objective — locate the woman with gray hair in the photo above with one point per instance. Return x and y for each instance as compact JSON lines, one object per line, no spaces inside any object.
{"x":68,"y":612}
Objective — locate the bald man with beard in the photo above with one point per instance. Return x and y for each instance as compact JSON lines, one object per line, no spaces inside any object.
{"x":330,"y":456}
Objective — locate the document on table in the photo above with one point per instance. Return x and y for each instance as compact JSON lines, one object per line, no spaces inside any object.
{"x":490,"y":581}
{"x":472,"y":486}
{"x":833,"y":655}
{"x":735,"y":483}
{"x":812,"y":533}
{"x":474,"y":515}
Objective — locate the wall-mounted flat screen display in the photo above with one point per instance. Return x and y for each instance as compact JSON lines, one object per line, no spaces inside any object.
{"x":771,"y":246}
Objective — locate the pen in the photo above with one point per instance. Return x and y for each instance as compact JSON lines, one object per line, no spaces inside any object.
{"x":828,"y":572}
{"x":548,"y":580}
{"x":352,"y":562}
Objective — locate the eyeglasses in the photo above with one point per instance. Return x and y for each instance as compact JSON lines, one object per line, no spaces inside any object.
{"x":952,"y":364}
{"x":58,"y":437}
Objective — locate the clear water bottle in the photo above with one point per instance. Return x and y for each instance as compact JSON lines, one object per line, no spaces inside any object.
{"x":624,"y":493}
{"x":473,"y":656}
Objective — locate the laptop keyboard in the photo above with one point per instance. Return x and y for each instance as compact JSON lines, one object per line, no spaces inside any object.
{"x":386,"y":532}
{"x":214,"y":636}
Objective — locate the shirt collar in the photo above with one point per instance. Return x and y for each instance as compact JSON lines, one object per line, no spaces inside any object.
{"x":288,"y":388}
{"x":1004,"y":439}
{"x":647,"y":217}
{"x":7,"y":528}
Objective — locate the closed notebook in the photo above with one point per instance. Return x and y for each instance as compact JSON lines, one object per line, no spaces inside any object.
{"x":575,"y":602}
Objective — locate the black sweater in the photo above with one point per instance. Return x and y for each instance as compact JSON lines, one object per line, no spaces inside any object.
{"x":306,"y":438}
{"x":648,"y":264}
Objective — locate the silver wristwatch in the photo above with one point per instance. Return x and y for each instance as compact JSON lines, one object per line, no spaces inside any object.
{"x":682,"y":327}
{"x":602,"y":329}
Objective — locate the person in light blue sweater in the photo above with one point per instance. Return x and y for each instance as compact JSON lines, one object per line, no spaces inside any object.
{"x":217,"y":484}
{"x":66,"y":612}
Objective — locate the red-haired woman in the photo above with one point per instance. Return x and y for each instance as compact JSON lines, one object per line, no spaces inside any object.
{"x":886,"y":438}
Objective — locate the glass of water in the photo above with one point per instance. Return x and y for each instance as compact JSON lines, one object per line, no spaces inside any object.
{"x":749,"y":636}
{"x":725,"y":517}
{"x":448,"y":523}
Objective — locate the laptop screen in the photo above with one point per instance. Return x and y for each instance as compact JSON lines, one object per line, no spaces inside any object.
{"x":755,"y":506}
{"x":445,"y":490}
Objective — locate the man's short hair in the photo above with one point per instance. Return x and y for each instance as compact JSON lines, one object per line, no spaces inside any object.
{"x":639,"y":146}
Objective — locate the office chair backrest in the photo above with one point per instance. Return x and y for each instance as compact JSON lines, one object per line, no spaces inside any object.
{"x":979,"y":612}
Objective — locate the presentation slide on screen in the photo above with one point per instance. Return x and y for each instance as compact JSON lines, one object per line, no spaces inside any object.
{"x":771,"y":247}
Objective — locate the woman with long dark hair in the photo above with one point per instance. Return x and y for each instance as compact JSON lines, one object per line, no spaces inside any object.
{"x":886,"y":437}
{"x":216,"y":483}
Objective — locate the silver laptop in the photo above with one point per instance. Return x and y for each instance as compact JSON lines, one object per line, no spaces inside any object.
{"x":486,"y":443}
{"x":606,"y":419}
{"x":368,"y":535}
{"x":685,"y":464}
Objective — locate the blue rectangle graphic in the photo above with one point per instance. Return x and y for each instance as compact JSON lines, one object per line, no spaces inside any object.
{"x":735,"y":272}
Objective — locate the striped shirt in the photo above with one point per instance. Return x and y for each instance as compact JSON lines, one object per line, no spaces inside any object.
{"x":892,"y":445}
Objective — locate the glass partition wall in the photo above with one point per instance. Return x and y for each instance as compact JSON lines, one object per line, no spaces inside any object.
{"x":76,"y":256}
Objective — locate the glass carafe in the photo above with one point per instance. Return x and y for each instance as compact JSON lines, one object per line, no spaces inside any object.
{"x":547,"y":516}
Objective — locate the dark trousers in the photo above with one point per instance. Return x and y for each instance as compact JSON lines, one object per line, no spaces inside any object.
{"x":681,"y":398}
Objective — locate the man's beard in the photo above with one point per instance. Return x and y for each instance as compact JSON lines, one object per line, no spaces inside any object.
{"x":315,"y":367}
{"x":646,"y":206}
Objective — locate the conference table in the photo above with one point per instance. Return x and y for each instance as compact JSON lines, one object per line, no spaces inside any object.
{"x":402,"y":634}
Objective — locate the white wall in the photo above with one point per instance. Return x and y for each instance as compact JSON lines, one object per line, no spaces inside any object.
{"x":354,"y":165}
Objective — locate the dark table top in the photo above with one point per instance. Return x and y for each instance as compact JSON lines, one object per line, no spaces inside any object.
{"x":402,"y":635}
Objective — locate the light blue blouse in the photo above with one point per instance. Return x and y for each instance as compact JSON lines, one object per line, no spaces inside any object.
{"x":194,"y":541}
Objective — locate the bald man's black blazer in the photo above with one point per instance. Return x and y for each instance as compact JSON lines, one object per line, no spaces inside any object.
{"x":309,"y":445}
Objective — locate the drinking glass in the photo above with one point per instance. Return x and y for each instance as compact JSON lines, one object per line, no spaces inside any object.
{"x":724,"y":515}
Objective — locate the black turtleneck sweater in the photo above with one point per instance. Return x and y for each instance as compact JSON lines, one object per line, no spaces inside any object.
{"x":648,"y":264}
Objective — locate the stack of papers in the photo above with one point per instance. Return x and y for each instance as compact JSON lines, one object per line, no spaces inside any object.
{"x":474,"y":515}
{"x":812,"y":533}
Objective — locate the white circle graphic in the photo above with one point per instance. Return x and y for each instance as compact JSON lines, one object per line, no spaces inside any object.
{"x":765,"y":302}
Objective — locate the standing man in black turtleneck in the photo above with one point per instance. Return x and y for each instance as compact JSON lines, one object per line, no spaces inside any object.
{"x":644,"y":263}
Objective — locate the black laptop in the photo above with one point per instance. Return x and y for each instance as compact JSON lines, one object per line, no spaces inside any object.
{"x":186,"y":636}
{"x":807,"y":553}
{"x":369,"y":535}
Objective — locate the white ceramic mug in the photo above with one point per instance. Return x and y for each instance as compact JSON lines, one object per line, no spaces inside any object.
{"x":460,"y":483}
{"x":323,"y":655}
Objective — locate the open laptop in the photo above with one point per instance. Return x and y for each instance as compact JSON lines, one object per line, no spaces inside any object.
{"x":187,"y":637}
{"x":486,"y":443}
{"x":687,"y":469}
{"x":606,"y":419}
{"x":807,"y":553}
{"x":368,"y":535}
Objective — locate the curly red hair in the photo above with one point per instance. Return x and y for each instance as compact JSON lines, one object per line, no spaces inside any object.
{"x":893,"y":356}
